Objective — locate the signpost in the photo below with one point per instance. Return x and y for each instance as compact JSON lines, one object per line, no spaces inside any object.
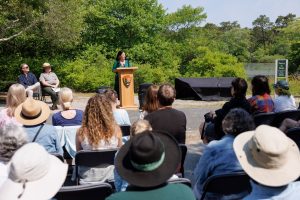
{"x":281,"y":69}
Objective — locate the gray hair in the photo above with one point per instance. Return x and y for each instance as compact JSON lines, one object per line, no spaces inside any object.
{"x":237,"y":121}
{"x":12,"y":137}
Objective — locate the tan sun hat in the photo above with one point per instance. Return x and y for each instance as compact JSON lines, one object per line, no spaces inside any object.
{"x":32,"y":112}
{"x":34,"y":174}
{"x":268,"y":156}
{"x":46,"y":65}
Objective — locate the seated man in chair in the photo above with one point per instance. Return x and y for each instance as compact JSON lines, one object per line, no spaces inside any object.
{"x":50,"y":84}
{"x":28,"y":80}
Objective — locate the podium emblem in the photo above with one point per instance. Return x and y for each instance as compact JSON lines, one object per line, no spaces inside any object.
{"x":126,"y":80}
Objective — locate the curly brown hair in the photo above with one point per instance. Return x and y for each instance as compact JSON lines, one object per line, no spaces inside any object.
{"x":98,"y":122}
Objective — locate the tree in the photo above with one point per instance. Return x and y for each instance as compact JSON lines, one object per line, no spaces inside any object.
{"x":262,"y":31}
{"x":227,"y":26}
{"x":283,"y":21}
{"x":122,"y":24}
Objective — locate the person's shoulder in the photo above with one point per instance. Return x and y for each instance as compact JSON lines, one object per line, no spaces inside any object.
{"x":78,"y":111}
{"x":180,"y":189}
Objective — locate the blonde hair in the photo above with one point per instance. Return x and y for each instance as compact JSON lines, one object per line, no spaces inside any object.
{"x":98,"y":122}
{"x":15,"y":96}
{"x":140,"y":126}
{"x":66,"y":98}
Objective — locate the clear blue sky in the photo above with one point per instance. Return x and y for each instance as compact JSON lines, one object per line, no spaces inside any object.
{"x":243,"y":11}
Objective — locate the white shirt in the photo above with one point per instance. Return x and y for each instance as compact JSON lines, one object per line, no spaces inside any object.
{"x":283,"y":102}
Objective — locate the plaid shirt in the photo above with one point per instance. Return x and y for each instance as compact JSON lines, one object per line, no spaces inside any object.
{"x":261,"y":103}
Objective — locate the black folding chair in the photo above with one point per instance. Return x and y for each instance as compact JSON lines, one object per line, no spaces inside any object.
{"x":184,"y":181}
{"x":227,"y":184}
{"x":280,"y":116}
{"x":91,"y":159}
{"x":98,"y":191}
{"x":264,"y":118}
{"x":294,"y":134}
{"x":183,"y":149}
{"x":125,"y":130}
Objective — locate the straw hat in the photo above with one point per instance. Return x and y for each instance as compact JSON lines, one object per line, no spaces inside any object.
{"x":46,"y":65}
{"x":268,"y":156}
{"x":148,"y":159}
{"x":34,"y":175}
{"x":32,"y":112}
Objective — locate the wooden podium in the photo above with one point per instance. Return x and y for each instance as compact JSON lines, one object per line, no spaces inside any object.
{"x":126,"y":86}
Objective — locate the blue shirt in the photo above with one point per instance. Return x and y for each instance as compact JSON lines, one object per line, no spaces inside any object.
{"x":290,"y":192}
{"x":121,"y":117}
{"x":217,"y":158}
{"x":47,"y":137}
{"x":59,"y":120}
{"x":28,"y":80}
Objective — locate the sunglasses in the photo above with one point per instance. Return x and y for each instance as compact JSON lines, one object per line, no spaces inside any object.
{"x":25,"y":67}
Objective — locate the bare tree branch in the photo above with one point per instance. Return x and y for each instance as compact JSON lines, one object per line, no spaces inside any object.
{"x":17,"y":34}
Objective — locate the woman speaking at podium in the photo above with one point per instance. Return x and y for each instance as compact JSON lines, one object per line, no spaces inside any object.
{"x":120,"y":61}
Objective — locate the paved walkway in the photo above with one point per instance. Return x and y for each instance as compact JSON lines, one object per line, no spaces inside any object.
{"x":194,"y":111}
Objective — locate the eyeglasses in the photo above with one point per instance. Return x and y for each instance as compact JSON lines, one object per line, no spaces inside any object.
{"x":25,"y":67}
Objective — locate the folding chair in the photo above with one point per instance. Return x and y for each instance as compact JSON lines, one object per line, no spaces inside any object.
{"x":294,"y":134}
{"x":91,"y":159}
{"x":227,"y":184}
{"x":125,"y":130}
{"x":183,"y":149}
{"x":98,"y":191}
{"x":292,"y":114}
{"x":264,"y":118}
{"x":184,"y":181}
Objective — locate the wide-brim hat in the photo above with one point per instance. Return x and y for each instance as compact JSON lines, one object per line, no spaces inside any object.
{"x":268,"y":156}
{"x":150,"y":178}
{"x":282,"y":84}
{"x":37,"y":177}
{"x":32,"y":112}
{"x":46,"y":65}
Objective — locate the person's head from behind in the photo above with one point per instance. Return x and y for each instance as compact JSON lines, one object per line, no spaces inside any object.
{"x":239,"y":88}
{"x":34,"y":174}
{"x":282,"y":88}
{"x":12,"y":137}
{"x":237,"y":121}
{"x":260,"y":85}
{"x":148,"y":159}
{"x":24,"y":68}
{"x":151,"y":101}
{"x":121,"y":56}
{"x":166,"y":95}
{"x":98,"y":122}
{"x":268,"y":156}
{"x":65,"y":98}
{"x":15,"y":96}
{"x":139,"y":126}
{"x":112,"y":96}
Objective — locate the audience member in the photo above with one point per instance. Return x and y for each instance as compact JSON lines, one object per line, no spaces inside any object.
{"x":218,"y":157}
{"x":120,"y":115}
{"x":33,"y":115}
{"x":238,"y":91}
{"x":33,"y":175}
{"x":69,"y":116}
{"x":146,"y":162}
{"x":50,"y":84}
{"x":12,"y":137}
{"x":272,"y":161}
{"x":261,"y":100}
{"x":98,"y":131}
{"x":167,"y":118}
{"x":137,"y":127}
{"x":289,"y":123}
{"x":284,"y":100}
{"x":151,"y":101}
{"x":15,"y":96}
{"x":28,"y":80}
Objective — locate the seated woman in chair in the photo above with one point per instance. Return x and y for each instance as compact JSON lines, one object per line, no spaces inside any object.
{"x":69,"y":116}
{"x":50,"y":84}
{"x":28,"y":80}
{"x":99,"y":131}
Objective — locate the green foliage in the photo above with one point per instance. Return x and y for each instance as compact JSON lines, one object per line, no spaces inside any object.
{"x":88,"y":71}
{"x":214,"y":64}
{"x":294,"y":57}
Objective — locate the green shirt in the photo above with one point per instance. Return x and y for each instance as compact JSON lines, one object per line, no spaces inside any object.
{"x":117,"y":64}
{"x":168,"y":192}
